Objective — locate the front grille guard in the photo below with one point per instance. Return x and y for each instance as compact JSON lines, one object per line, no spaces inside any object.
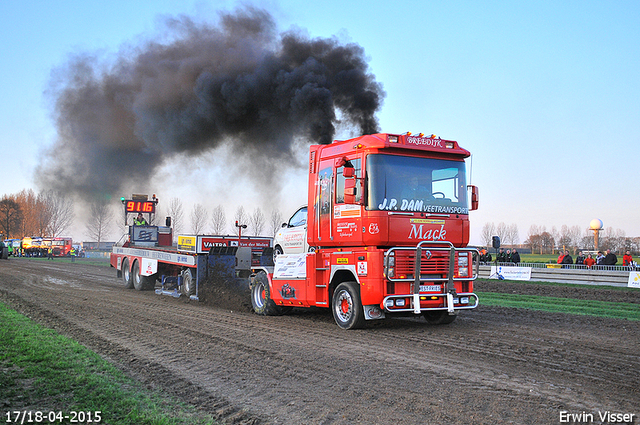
{"x":427,"y":247}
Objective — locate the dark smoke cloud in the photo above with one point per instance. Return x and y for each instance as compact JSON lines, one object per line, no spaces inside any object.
{"x":238,"y":83}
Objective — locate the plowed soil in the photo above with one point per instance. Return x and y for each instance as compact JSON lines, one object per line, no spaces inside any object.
{"x":491,"y":366}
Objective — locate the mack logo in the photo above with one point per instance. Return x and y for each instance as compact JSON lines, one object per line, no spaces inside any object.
{"x":419,"y":232}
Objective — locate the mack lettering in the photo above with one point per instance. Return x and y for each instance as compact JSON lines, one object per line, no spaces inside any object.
{"x":417,"y":232}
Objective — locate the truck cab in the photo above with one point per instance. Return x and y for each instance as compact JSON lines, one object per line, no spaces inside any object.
{"x":387,"y":220}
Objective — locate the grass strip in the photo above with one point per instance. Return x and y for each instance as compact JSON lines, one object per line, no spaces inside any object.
{"x":41,"y":370}
{"x":596,"y":308}
{"x":561,"y":284}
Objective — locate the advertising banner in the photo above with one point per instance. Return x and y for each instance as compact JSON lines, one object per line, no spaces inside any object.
{"x":510,"y":273}
{"x":634,"y":280}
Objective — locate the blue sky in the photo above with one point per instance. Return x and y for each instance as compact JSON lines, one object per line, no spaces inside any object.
{"x":545,"y":94}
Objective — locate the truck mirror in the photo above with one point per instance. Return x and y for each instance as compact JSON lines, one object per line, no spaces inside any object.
{"x":350,"y":190}
{"x":348,"y":172}
{"x":474,"y":197}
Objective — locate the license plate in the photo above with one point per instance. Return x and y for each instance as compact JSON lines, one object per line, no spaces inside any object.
{"x":429,"y":288}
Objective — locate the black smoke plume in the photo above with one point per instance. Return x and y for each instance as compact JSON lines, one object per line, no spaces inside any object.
{"x":239,"y":83}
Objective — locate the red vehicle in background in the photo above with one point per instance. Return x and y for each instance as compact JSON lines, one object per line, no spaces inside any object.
{"x":61,"y":247}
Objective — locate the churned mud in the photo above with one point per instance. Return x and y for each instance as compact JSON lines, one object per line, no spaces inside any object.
{"x":491,"y":366}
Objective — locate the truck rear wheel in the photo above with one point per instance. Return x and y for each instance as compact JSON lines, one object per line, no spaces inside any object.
{"x":347,"y":307}
{"x":188,"y":287}
{"x":261,"y":296}
{"x":439,"y":317}
{"x":126,"y":274}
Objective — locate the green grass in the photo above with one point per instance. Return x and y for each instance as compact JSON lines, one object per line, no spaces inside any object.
{"x":42,"y":370}
{"x":628,"y":311}
{"x":537,"y":258}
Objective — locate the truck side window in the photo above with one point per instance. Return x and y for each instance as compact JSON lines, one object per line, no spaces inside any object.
{"x":340,"y":181}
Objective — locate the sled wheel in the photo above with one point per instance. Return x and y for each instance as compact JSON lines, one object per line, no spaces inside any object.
{"x":188,"y":287}
{"x":126,"y":274}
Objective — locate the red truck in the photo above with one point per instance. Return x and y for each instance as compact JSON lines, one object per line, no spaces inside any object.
{"x":384,"y":233}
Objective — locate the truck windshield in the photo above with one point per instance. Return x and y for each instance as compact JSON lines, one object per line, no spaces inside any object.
{"x":401,"y":183}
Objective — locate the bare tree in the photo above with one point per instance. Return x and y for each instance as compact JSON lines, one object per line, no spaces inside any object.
{"x":488,"y":230}
{"x":240,"y":218}
{"x":176,"y":213}
{"x":501,"y":231}
{"x":256,"y":222}
{"x":57,"y":212}
{"x":512,"y":236}
{"x":99,"y":223}
{"x":198,"y":219}
{"x":576,"y":238}
{"x":28,"y":202}
{"x":218,"y":220}
{"x":10,"y":217}
{"x":564,"y":241}
{"x":555,"y":235}
{"x":276,"y":221}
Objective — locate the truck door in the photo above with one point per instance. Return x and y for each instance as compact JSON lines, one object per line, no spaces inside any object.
{"x":324,"y":203}
{"x":338,"y":216}
{"x":347,"y":210}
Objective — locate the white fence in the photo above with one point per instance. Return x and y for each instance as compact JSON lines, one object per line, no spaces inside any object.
{"x":602,"y":275}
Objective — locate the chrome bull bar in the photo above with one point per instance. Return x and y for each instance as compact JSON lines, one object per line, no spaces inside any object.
{"x":424,"y":249}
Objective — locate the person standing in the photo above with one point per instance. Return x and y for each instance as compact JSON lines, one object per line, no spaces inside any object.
{"x":567,"y":259}
{"x":502,"y":256}
{"x":515,"y":257}
{"x":610,"y":259}
{"x":589,"y":261}
{"x":139,"y":220}
{"x":580,"y":258}
{"x":627,"y":259}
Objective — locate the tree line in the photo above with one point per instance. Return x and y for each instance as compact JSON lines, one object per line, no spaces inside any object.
{"x":29,"y":214}
{"x":49,"y":214}
{"x":573,"y":238}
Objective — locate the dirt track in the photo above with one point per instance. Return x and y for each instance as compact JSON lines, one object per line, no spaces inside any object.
{"x":491,"y":366}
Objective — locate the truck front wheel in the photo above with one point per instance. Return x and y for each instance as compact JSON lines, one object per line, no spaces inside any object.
{"x":261,"y":296}
{"x":126,"y":274}
{"x":347,"y":307}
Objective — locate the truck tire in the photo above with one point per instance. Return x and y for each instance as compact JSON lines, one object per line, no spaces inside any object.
{"x":261,"y":296}
{"x":126,"y":274}
{"x":347,"y":307}
{"x":188,"y":286}
{"x":438,"y":317}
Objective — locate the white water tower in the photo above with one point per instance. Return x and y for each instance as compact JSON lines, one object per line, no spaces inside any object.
{"x":596,"y":226}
